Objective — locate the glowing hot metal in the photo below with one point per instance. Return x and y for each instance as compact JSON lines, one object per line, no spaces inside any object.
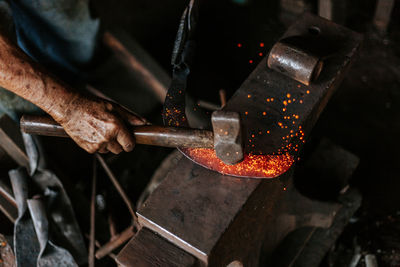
{"x":252,"y":166}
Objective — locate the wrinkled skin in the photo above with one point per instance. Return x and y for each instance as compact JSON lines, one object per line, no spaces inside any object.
{"x":95,"y":124}
{"x":98,"y":125}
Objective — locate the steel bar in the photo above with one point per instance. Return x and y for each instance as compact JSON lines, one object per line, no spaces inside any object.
{"x":98,"y":245}
{"x":8,"y":209}
{"x":370,"y":260}
{"x":383,"y":12}
{"x":208,"y":105}
{"x":132,"y":62}
{"x":222,"y":97}
{"x":7,"y":203}
{"x":334,"y":10}
{"x":119,"y":188}
{"x":92,"y":240}
{"x":112,"y":227}
{"x":11,"y":141}
{"x":114,"y":243}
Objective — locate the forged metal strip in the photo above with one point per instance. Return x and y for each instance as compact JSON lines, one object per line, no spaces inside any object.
{"x":182,"y":57}
{"x":50,"y":255}
{"x":61,"y":213}
{"x":26,"y":246}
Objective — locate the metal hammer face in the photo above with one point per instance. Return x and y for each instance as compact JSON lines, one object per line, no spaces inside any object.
{"x":228,"y":143}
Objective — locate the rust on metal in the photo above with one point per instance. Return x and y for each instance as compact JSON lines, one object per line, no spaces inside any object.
{"x":294,"y":62}
{"x":228,"y":143}
{"x":152,"y":250}
{"x":116,"y":242}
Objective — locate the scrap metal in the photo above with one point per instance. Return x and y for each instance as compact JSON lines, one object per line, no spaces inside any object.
{"x":26,"y":246}
{"x":50,"y":255}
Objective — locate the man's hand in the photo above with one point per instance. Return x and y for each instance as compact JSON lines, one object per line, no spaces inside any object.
{"x":98,"y":125}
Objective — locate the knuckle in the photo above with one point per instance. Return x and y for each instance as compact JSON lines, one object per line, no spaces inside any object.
{"x":114,"y":126}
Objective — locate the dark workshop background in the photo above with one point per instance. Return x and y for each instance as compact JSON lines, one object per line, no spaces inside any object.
{"x":362,"y":117}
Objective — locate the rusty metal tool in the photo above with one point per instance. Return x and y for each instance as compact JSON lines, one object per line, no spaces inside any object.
{"x":50,"y":254}
{"x":62,"y":214}
{"x":225,"y":137}
{"x":26,"y":246}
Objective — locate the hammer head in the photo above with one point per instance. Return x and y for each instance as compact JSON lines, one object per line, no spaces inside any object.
{"x":228,"y":143}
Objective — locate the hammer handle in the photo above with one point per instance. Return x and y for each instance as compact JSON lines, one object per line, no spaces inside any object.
{"x":147,"y":135}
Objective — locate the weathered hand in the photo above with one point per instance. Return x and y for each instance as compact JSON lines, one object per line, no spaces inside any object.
{"x":95,"y":124}
{"x":98,"y":125}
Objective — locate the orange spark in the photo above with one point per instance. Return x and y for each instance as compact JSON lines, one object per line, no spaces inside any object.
{"x":255,"y":166}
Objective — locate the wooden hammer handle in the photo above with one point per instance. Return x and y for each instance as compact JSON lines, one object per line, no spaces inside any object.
{"x":147,"y":135}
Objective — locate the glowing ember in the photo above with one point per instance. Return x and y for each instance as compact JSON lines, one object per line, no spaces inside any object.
{"x":254,"y":166}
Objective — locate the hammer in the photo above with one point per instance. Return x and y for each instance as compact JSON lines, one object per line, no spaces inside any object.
{"x":225,"y":138}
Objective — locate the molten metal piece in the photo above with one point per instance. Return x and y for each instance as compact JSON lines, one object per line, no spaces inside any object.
{"x":252,"y":166}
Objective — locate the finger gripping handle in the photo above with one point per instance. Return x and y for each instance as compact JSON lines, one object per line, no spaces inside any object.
{"x":147,"y":135}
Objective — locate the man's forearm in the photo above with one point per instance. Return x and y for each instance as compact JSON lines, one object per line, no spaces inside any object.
{"x":95,"y":124}
{"x":26,"y":78}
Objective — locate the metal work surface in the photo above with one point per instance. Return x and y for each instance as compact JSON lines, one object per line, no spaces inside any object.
{"x":291,"y":107}
{"x":277,"y":111}
{"x":206,"y":213}
{"x":147,"y":242}
{"x":198,"y":199}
